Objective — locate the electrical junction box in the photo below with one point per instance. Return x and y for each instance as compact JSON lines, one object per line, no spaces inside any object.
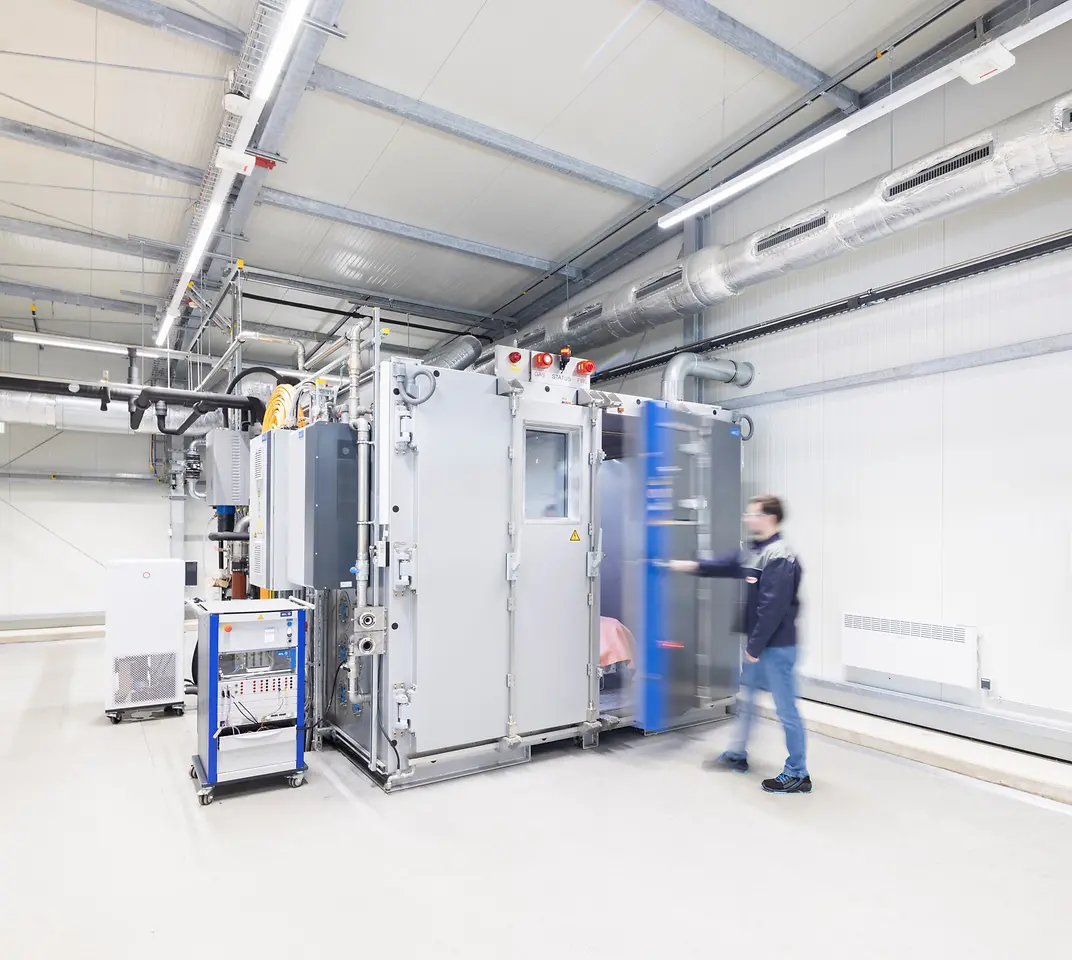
{"x":144,"y":626}
{"x":986,"y":62}
{"x":322,"y":539}
{"x":225,"y":467}
{"x":270,"y":502}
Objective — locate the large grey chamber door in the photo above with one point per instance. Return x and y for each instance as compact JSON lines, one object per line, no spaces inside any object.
{"x":689,"y":499}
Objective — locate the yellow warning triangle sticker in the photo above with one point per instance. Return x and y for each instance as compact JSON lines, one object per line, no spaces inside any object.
{"x":575,"y":538}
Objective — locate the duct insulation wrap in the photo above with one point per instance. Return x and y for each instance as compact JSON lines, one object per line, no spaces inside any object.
{"x":457,"y":355}
{"x":83,"y":414}
{"x":1022,"y":150}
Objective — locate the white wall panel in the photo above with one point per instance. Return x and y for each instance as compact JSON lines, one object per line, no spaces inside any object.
{"x":943,"y":499}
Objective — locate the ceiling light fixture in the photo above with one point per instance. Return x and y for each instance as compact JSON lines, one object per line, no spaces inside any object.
{"x":290,"y":24}
{"x":854,"y":121}
{"x":44,"y":340}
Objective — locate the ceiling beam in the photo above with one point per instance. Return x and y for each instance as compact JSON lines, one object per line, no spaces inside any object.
{"x":168,"y":253}
{"x":380,"y":98}
{"x":52,"y":295}
{"x":369,"y":221}
{"x":156,"y":15}
{"x":269,"y":136}
{"x":279,"y":114}
{"x":156,"y":166}
{"x":164,"y":252}
{"x":752,"y":44}
{"x":92,"y":150}
{"x":372,"y":298}
{"x":153,"y":14}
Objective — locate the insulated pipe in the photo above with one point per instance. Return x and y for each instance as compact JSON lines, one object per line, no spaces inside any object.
{"x":85,"y":415}
{"x":1025,"y":149}
{"x":457,"y":355}
{"x":245,"y":337}
{"x":686,"y":365}
{"x":353,"y":337}
{"x":363,"y":429}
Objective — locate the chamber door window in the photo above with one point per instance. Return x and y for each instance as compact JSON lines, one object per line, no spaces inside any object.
{"x":547,"y":480}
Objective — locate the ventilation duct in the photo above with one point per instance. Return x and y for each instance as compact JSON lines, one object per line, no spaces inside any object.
{"x":1022,"y":150}
{"x":83,"y":414}
{"x":458,"y":354}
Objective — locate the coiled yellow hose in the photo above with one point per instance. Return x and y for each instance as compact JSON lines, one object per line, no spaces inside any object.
{"x":275,"y":415}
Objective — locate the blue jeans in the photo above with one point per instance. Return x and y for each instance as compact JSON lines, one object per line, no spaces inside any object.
{"x":776,"y":672}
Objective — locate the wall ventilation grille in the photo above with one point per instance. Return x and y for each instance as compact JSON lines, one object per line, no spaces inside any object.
{"x":944,"y":169}
{"x":940,"y":653}
{"x":652,"y":287}
{"x":905,"y":628}
{"x":786,"y":234}
{"x":594,"y":312}
{"x":531,"y":339}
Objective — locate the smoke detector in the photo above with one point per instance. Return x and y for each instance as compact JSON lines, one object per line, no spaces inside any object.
{"x":986,"y":62}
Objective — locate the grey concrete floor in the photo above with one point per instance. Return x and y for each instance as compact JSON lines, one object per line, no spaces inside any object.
{"x":632,"y":850}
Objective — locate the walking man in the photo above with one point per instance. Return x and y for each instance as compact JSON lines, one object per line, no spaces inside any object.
{"x":772,"y":574}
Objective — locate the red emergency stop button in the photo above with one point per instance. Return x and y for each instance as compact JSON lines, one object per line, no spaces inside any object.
{"x":227,"y":628}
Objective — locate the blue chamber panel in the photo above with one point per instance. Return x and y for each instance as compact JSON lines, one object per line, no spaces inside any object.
{"x":656,"y":464}
{"x":213,"y":694}
{"x":300,"y":666}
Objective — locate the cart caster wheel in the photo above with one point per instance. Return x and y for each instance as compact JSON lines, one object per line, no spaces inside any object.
{"x":296,"y":781}
{"x":115,"y":717}
{"x":204,"y":799}
{"x":178,"y":711}
{"x":193,"y":772}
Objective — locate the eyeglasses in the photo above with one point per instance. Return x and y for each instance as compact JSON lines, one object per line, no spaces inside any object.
{"x":749,"y":516}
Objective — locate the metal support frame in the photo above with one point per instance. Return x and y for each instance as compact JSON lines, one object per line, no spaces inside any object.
{"x":693,"y":324}
{"x":152,"y":14}
{"x":1007,"y":16}
{"x":52,"y":295}
{"x":158,"y":167}
{"x":159,"y":17}
{"x":764,"y":51}
{"x":361,"y":91}
{"x":142,"y":250}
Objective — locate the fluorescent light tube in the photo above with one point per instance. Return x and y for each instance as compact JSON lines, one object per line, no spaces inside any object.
{"x":284,"y":38}
{"x":44,"y":340}
{"x":751,"y":178}
{"x":165,"y":327}
{"x":1014,"y":38}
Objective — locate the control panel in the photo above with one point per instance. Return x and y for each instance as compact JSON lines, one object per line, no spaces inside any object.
{"x":251,"y":699}
{"x":560,"y":369}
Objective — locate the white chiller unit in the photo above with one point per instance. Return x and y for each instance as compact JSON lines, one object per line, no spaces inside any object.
{"x":144,"y":624}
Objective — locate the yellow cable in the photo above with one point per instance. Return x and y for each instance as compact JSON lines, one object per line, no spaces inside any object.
{"x":275,"y":415}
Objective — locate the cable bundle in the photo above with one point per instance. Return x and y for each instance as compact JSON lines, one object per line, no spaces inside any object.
{"x":275,"y":415}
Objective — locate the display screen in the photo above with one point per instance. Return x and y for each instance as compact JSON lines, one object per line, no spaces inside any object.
{"x":256,"y":662}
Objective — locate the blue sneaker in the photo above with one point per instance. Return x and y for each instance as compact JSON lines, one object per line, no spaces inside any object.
{"x":728,"y":761}
{"x":787,"y":783}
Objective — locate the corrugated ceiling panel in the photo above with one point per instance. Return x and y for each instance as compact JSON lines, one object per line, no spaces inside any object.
{"x":521,"y":87}
{"x":172,"y":117}
{"x":57,"y":28}
{"x":528,"y":208}
{"x":650,"y":113}
{"x":331,"y":146}
{"x":426,"y":177}
{"x":296,"y":244}
{"x":129,"y":203}
{"x":399,"y":44}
